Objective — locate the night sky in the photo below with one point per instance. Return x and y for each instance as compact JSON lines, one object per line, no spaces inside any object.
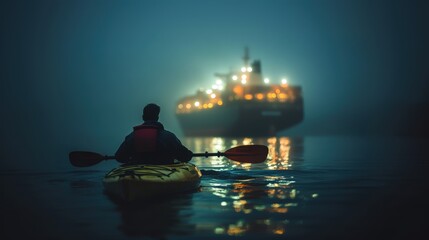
{"x":76,"y":74}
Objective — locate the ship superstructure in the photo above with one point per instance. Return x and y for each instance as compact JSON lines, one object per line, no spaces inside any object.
{"x":241,"y":103}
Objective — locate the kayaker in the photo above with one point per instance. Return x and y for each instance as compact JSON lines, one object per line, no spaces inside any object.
{"x":150,"y":143}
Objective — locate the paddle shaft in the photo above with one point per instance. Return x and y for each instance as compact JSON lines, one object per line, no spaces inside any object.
{"x":205,"y":154}
{"x":244,"y":154}
{"x":219,"y":154}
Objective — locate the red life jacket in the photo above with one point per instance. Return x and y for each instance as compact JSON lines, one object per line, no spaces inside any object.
{"x":145,"y":138}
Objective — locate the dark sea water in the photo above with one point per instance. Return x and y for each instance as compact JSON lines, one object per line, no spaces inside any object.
{"x":309,"y":188}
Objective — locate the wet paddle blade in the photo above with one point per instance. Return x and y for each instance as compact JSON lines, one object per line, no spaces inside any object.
{"x":84,"y":159}
{"x":248,"y":153}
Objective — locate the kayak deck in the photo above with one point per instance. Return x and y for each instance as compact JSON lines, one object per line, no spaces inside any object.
{"x":141,"y":181}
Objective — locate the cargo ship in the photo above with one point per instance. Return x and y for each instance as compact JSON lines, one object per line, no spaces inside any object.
{"x":241,"y":104}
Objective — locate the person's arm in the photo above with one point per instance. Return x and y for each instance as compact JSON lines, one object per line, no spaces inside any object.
{"x":179,"y":151}
{"x":124,"y":152}
{"x":183,"y":153}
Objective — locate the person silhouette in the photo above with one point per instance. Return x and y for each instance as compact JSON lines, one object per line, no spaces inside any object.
{"x":150,"y":143}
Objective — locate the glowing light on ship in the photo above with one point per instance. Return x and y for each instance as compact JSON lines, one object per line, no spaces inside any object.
{"x":249,"y":69}
{"x":284,"y":81}
{"x":238,"y":90}
{"x":197,"y":104}
{"x":243,"y":81}
{"x":213,"y":95}
{"x":282,"y":96}
{"x":271,"y":95}
{"x":234,"y":77}
{"x":248,"y":96}
{"x":243,"y":69}
{"x":209,"y":91}
{"x":266,"y":80}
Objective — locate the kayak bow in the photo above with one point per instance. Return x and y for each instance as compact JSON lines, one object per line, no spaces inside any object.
{"x":141,"y":181}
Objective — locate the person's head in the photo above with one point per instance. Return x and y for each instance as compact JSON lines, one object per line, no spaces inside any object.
{"x":151,"y":112}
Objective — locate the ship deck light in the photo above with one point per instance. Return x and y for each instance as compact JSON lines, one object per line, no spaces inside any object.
{"x":271,"y":95}
{"x":248,"y":96}
{"x":259,"y":96}
{"x":282,"y":96}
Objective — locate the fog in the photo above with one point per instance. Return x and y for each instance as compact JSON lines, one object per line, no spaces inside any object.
{"x":76,"y":74}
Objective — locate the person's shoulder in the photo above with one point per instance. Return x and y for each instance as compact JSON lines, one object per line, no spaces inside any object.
{"x":130,"y":136}
{"x":167,"y":133}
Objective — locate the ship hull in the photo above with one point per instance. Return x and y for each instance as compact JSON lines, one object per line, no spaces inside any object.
{"x":241,"y":118}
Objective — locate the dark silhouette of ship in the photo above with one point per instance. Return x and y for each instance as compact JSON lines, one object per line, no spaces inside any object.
{"x":241,"y":103}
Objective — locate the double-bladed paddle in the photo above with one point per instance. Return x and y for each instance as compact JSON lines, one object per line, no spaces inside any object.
{"x":244,"y":154}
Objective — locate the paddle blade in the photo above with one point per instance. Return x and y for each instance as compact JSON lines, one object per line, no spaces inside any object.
{"x":84,"y":159}
{"x":248,"y":153}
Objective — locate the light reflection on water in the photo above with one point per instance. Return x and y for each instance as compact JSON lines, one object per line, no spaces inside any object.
{"x":251,"y":198}
{"x":278,"y":156}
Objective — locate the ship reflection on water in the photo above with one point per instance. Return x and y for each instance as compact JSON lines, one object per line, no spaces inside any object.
{"x":248,"y":198}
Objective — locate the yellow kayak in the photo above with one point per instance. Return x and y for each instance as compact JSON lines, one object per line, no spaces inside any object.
{"x":141,"y":181}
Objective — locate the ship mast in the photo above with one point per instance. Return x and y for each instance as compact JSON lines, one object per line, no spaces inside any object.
{"x":246,"y":57}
